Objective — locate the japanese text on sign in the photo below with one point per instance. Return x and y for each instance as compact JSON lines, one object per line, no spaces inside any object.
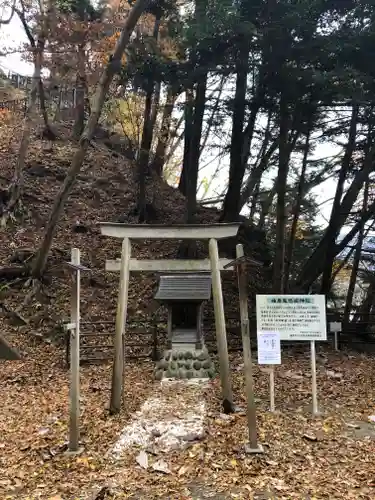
{"x":295,"y":317}
{"x":269,"y":351}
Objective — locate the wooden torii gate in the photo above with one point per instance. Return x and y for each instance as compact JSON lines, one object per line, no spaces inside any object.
{"x":211,"y":232}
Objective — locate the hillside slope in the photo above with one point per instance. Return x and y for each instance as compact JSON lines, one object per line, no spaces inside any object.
{"x":106,"y":191}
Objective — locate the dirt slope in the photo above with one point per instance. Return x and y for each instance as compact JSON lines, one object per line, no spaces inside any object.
{"x":106,"y":191}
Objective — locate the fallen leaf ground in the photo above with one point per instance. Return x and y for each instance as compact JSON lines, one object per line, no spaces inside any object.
{"x":326,"y":457}
{"x":322,"y":458}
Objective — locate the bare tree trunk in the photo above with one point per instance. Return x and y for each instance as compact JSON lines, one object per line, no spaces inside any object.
{"x":188,"y":130}
{"x":266,"y":207}
{"x":15,"y":189}
{"x":195,"y":149}
{"x":162,"y":143}
{"x":254,"y":201}
{"x":362,"y":314}
{"x":213,"y":112}
{"x":58,"y":107}
{"x":356,"y":260}
{"x":155,"y":105}
{"x":256,"y":174}
{"x":296,"y":212}
{"x":146,"y":142}
{"x":48,"y":133}
{"x":333,"y":229}
{"x":79,"y":108}
{"x":143,"y":157}
{"x":112,"y":67}
{"x":257,"y":169}
{"x":231,"y":206}
{"x":281,"y":184}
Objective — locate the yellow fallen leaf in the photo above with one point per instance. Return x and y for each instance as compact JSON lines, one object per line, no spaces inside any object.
{"x":233,"y":462}
{"x":183,"y":470}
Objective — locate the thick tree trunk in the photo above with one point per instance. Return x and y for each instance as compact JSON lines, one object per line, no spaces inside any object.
{"x":195,"y":150}
{"x":188,"y":130}
{"x":79,"y":108}
{"x":281,"y":184}
{"x":112,"y":67}
{"x":333,"y":226}
{"x":146,"y":142}
{"x":296,"y":212}
{"x":231,"y":206}
{"x":162,"y":144}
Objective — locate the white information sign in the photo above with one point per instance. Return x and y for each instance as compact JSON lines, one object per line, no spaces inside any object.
{"x":269,"y":351}
{"x":295,"y":317}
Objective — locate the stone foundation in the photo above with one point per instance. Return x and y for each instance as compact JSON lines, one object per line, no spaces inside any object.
{"x":185,"y":364}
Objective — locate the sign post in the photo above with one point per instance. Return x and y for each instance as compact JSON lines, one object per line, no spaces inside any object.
{"x":335,"y":327}
{"x":73,"y":327}
{"x":296,"y":318}
{"x":253,"y":446}
{"x":314,"y":390}
{"x":269,"y":353}
{"x":241,"y":265}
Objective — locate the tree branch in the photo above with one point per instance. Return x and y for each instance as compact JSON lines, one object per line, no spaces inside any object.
{"x":21,"y":15}
{"x":7,"y":21}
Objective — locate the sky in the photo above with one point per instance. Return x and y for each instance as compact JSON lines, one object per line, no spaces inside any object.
{"x":12,"y":36}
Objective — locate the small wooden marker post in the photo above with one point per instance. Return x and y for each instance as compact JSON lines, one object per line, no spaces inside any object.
{"x":73,"y":326}
{"x":221,"y":334}
{"x":241,"y":265}
{"x":122,"y":304}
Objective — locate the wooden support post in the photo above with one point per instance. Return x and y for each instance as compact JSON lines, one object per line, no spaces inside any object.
{"x":314,"y":391}
{"x":221,"y":335}
{"x":272,"y":389}
{"x":155,"y":345}
{"x":336,"y":340}
{"x":122,"y":304}
{"x":74,"y":355}
{"x":253,"y":446}
{"x":169,"y":327}
{"x":199,"y":339}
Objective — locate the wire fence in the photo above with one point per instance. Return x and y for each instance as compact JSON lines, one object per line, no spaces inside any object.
{"x":59,"y":101}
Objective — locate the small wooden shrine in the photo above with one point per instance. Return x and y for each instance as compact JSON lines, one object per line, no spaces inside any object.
{"x":184,"y":295}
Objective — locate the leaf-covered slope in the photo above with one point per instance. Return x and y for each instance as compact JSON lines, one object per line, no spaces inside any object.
{"x":106,"y":190}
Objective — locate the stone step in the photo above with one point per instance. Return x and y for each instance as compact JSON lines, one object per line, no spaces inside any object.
{"x":184,"y":336}
{"x":183,"y":346}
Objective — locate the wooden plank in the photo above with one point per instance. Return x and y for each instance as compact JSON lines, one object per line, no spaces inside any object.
{"x":161,"y":232}
{"x":167,"y":265}
{"x":118,"y":362}
{"x":74,"y":355}
{"x":221,"y":334}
